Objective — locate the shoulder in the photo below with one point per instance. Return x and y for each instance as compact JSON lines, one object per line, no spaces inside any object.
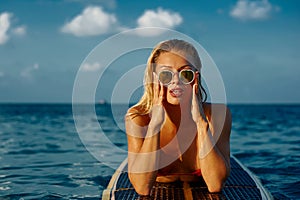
{"x":136,"y":125}
{"x":134,"y":115}
{"x":218,"y":115}
{"x":215,"y":110}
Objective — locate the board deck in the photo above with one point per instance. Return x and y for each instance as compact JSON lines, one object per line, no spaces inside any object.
{"x":241,"y":184}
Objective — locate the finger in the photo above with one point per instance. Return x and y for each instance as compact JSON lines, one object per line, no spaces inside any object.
{"x":197,"y":104}
{"x":155,"y":88}
{"x":196,"y":82}
{"x":161,"y":93}
{"x":194,"y":97}
{"x":154,"y":83}
{"x":197,"y":76}
{"x":201,"y":110}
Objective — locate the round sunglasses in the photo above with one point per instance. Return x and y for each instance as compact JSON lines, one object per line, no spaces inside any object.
{"x":186,"y":76}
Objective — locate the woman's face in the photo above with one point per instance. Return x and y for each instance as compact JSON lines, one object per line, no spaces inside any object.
{"x":177,"y":92}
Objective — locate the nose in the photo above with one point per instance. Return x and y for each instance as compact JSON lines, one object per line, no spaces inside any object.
{"x":175,"y":79}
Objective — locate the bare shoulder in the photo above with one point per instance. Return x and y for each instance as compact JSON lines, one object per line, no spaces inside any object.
{"x":214,"y":111}
{"x":219,"y":116}
{"x":133,"y":115}
{"x":136,"y":127}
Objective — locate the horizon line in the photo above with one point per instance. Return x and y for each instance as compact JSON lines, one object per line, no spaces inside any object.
{"x":132,"y":103}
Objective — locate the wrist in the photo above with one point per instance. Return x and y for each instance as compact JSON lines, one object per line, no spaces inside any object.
{"x":201,"y":125}
{"x":154,"y":128}
{"x":202,"y":128}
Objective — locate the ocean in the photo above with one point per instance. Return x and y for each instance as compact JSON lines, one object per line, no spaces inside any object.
{"x":43,"y":155}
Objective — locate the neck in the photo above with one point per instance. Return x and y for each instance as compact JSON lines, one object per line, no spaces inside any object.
{"x":178,"y":113}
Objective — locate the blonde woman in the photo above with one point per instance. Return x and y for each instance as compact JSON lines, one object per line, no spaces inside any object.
{"x":173,"y":134}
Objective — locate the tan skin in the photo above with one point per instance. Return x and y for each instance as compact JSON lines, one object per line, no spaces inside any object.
{"x":179,"y":129}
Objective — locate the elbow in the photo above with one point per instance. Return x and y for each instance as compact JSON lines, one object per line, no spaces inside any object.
{"x":216,"y":187}
{"x":141,"y":186}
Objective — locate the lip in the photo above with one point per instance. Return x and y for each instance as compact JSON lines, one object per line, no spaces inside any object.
{"x":176,"y":92}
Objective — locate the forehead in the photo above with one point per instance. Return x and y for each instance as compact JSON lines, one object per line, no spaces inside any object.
{"x":171,"y":60}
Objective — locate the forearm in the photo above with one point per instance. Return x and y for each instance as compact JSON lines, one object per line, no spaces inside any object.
{"x":214,"y":166}
{"x":143,"y":182}
{"x":143,"y":165}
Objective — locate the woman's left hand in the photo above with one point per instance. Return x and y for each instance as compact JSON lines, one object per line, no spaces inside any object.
{"x":197,"y":108}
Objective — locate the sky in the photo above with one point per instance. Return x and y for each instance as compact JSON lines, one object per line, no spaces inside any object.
{"x":43,"y":44}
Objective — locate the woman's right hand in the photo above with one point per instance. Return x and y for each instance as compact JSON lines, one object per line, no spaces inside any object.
{"x":158,"y":110}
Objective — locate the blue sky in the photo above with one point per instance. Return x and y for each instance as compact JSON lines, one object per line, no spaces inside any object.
{"x":255,"y":44}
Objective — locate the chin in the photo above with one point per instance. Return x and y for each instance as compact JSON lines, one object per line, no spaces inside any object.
{"x":174,"y":101}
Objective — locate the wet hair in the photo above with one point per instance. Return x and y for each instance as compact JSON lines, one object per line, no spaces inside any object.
{"x":179,"y":47}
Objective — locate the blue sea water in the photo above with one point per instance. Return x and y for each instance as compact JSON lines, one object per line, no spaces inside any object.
{"x":42,"y":156}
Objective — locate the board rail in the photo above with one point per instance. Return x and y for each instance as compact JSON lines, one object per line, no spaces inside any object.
{"x":241,"y":184}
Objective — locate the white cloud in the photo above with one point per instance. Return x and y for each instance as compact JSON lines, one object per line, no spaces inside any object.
{"x":92,"y":21}
{"x":27,"y":72}
{"x":95,"y":21}
{"x":4,"y":27}
{"x":91,"y":67}
{"x":252,"y":10}
{"x":160,"y":18}
{"x":21,"y":30}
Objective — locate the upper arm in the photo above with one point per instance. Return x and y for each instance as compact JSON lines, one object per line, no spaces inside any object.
{"x":224,"y":141}
{"x":220,"y":124}
{"x":136,"y":129}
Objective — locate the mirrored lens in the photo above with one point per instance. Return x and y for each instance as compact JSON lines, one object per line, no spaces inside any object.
{"x":187,"y":76}
{"x":165,"y":77}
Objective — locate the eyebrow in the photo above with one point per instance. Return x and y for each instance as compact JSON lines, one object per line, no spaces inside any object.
{"x":186,"y":65}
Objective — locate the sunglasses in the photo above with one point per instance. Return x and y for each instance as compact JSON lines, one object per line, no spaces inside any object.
{"x":186,"y":76}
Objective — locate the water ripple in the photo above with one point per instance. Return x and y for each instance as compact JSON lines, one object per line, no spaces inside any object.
{"x":42,"y":156}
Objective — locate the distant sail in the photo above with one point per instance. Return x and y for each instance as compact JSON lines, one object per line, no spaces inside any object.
{"x":102,"y":101}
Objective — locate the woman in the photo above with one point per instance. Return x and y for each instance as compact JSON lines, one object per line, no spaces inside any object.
{"x":172,"y":133}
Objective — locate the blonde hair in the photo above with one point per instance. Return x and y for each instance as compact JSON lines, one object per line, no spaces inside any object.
{"x":179,"y":47}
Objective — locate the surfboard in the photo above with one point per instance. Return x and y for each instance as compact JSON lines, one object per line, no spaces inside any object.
{"x":241,"y":184}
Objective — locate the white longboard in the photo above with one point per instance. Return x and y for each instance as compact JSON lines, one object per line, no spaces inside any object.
{"x":241,"y":184}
